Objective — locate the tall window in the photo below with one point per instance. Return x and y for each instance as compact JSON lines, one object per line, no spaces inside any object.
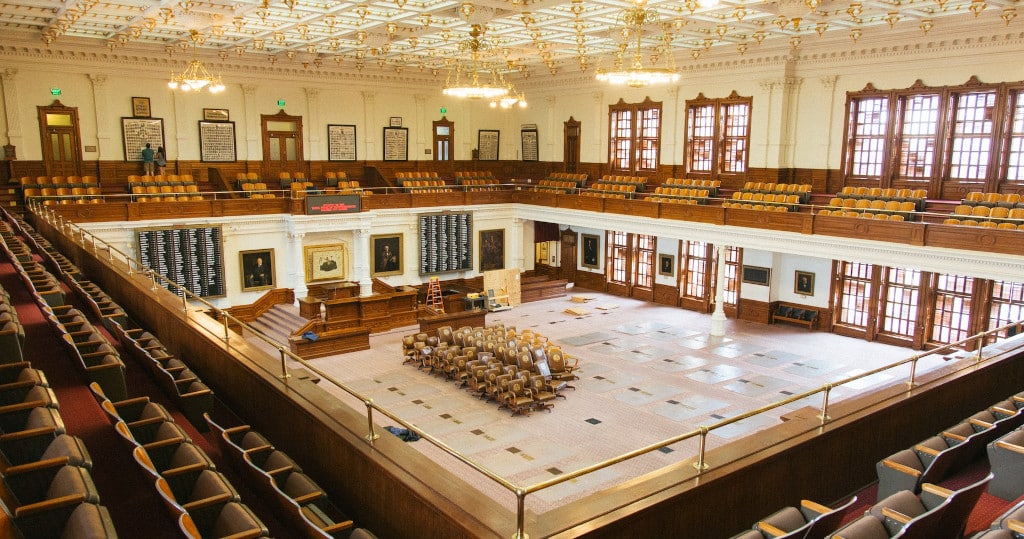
{"x":945,"y":139}
{"x":855,"y":294}
{"x":717,"y":136}
{"x":644,"y":261}
{"x":952,"y":321}
{"x":618,"y":257}
{"x":694,"y":269}
{"x":634,"y":144}
{"x":902,"y":288}
{"x":1007,"y":304}
{"x":869,"y":121}
{"x":732,"y":283}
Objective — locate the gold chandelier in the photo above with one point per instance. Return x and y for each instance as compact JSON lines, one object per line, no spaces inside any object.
{"x":195,"y":76}
{"x":467,"y":82}
{"x":637,"y":76}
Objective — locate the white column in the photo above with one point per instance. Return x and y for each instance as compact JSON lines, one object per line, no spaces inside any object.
{"x":361,"y":256}
{"x":828,"y":82}
{"x":718,"y":317}
{"x":253,"y":144}
{"x":549,"y":153}
{"x":515,"y":245}
{"x":770,"y":141}
{"x":423,"y":135}
{"x":101,"y":101}
{"x":313,"y":127}
{"x":599,"y":148}
{"x":372,"y":130}
{"x":12,"y":108}
{"x":296,"y":264}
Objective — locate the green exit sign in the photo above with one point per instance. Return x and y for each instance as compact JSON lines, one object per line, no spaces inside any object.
{"x":54,"y":91}
{"x":444,"y":110}
{"x":280,"y":102}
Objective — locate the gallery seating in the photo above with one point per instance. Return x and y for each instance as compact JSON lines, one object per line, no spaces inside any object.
{"x":808,"y":521}
{"x":1006,"y":458}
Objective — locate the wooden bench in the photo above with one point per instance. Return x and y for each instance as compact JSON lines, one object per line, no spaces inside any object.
{"x":795,"y":314}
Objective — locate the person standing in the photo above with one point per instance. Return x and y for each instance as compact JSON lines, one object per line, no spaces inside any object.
{"x":148,"y":156}
{"x":161,"y":161}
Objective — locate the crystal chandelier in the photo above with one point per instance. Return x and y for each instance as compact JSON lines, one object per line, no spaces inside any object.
{"x":467,"y":78}
{"x":638,"y":76}
{"x":195,"y":76}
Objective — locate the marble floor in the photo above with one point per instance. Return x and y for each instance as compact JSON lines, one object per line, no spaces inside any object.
{"x":647,"y":373}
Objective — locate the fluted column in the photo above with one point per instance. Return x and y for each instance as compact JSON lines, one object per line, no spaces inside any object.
{"x":421,"y":132}
{"x":370,"y":138}
{"x":554,"y":126}
{"x":313,"y":128}
{"x":515,"y":245}
{"x":598,"y":148}
{"x":101,"y":101}
{"x":253,"y":144}
{"x":718,"y":317}
{"x":12,"y":106}
{"x":828,"y":83}
{"x":361,"y":256}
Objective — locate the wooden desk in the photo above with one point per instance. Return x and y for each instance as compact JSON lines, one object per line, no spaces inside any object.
{"x":309,"y":307}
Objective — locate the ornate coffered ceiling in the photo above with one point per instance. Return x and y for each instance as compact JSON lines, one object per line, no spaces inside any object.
{"x":521,"y":37}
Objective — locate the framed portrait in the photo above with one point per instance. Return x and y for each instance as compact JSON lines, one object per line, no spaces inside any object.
{"x":257,"y":267}
{"x":492,"y":249}
{"x":395,"y":121}
{"x":387,"y":255}
{"x":341,"y":142}
{"x":140,"y":107}
{"x":756,"y":275}
{"x":803,"y":283}
{"x":216,"y":115}
{"x":666,"y":264}
{"x":591,"y":251}
{"x":325,"y":262}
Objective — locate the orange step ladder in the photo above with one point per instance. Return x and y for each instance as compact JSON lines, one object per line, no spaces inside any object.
{"x":434,"y":298}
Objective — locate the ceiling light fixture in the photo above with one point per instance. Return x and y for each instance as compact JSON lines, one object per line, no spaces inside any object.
{"x":638,"y":76}
{"x":195,"y":76}
{"x":474,"y":89}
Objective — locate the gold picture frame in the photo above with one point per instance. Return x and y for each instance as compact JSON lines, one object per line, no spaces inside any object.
{"x":216,"y":115}
{"x":666,"y":264}
{"x":257,"y":269}
{"x":803,"y":283}
{"x":492,"y":250}
{"x":141,"y":108}
{"x":591,"y":257}
{"x":325,"y":262}
{"x":387,"y":255}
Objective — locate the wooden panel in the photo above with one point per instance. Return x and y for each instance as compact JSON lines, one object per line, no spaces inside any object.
{"x":590,"y":280}
{"x":490,"y":197}
{"x":543,"y":289}
{"x":576,"y":202}
{"x":643,"y":294}
{"x":693,"y":212}
{"x":386,"y":202}
{"x":975,"y":239}
{"x":754,"y":311}
{"x":666,"y":295}
{"x":455,"y":198}
{"x":330,"y":342}
{"x":537,"y":198}
{"x":640,"y":208}
{"x":771,"y":220}
{"x":870,"y":229}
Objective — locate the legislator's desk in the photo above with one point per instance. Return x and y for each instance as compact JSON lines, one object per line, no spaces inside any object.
{"x":309,"y":307}
{"x":431,"y":320}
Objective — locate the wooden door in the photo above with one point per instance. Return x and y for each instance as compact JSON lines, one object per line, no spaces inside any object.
{"x":282,"y":145}
{"x":444,"y":139}
{"x":60,"y":140}
{"x":571,"y":143}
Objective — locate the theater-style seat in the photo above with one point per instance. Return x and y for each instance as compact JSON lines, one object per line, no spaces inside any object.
{"x":233,"y":520}
{"x":809,"y":521}
{"x":1006,"y":458}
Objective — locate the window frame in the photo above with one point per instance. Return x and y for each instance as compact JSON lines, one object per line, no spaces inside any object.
{"x":630,"y":145}
{"x":716,"y":149}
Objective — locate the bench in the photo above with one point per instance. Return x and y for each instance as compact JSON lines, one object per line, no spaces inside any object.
{"x":796,"y":315}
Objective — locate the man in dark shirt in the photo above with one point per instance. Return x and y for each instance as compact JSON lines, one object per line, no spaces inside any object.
{"x":148,"y":159}
{"x":260,"y":274}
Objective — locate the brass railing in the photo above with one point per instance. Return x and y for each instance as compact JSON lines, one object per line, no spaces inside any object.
{"x":100,"y":248}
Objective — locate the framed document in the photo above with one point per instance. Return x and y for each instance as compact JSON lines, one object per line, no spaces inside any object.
{"x":140,"y":107}
{"x":395,"y":121}
{"x":217,"y":142}
{"x":216,"y":115}
{"x":756,"y":275}
{"x":341,"y":143}
{"x":138,"y":132}
{"x":396,"y":144}
{"x":487,"y":144}
{"x":325,"y":262}
{"x":529,"y":138}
